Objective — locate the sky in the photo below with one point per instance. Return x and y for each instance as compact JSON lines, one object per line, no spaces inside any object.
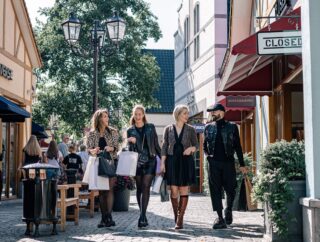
{"x":165,"y":10}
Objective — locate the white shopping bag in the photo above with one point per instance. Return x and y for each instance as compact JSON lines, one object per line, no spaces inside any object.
{"x":91,"y":176}
{"x":127,"y":163}
{"x":157,"y":184}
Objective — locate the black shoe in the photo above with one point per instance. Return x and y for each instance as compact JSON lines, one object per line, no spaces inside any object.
{"x":109,"y":221}
{"x":228,"y":216}
{"x":142,"y":222}
{"x":102,"y":222}
{"x":219,"y":223}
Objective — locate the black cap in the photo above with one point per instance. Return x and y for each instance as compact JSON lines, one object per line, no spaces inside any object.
{"x":216,"y":107}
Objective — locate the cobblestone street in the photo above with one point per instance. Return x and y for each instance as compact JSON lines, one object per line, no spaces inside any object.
{"x":247,"y":226}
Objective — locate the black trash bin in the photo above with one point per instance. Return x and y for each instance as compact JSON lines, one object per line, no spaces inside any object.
{"x":40,"y":196}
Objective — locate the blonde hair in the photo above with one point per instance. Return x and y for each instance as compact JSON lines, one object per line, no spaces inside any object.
{"x":178,"y":110}
{"x":135,"y":108}
{"x":32,"y":147}
{"x":96,"y":118}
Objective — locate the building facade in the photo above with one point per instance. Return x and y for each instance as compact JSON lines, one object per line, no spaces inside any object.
{"x":200,"y":45}
{"x":18,"y":56}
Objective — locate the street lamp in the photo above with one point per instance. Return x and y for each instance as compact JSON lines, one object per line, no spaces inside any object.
{"x":116,"y":29}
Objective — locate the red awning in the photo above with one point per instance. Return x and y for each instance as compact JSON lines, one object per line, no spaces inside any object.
{"x":235,"y":114}
{"x":247,"y":73}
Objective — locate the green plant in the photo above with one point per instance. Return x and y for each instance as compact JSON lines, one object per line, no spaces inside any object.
{"x":281,"y":162}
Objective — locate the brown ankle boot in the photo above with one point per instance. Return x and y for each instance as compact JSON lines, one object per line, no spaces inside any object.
{"x":181,"y":210}
{"x":175,"y":203}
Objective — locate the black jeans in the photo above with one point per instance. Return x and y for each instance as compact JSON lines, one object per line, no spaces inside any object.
{"x":221,"y":175}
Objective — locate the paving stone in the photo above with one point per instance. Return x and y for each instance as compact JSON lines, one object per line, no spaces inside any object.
{"x":199,"y":217}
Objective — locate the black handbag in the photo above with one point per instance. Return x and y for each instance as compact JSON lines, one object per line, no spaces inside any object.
{"x":106,"y":166}
{"x":142,"y":157}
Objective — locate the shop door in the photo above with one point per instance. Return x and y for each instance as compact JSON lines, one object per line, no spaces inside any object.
{"x":9,"y":165}
{"x":198,"y":158}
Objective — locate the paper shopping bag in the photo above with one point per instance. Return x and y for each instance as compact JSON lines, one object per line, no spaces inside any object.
{"x":127,"y":163}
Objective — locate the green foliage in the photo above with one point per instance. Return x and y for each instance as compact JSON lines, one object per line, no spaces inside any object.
{"x":281,"y":162}
{"x":65,"y":81}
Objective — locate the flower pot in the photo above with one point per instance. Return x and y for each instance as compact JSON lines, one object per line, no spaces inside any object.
{"x":121,"y":200}
{"x":295,"y":227}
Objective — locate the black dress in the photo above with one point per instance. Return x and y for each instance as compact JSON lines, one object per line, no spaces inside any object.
{"x":148,"y":168}
{"x":180,"y":169}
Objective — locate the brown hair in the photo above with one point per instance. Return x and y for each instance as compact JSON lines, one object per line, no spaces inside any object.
{"x":32,"y":147}
{"x":72,"y":148}
{"x":53,"y":152}
{"x":135,"y":108}
{"x":96,"y":118}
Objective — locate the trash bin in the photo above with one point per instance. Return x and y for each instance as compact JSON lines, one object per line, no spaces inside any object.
{"x":40,"y":196}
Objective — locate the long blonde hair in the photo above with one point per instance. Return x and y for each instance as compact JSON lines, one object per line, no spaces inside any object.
{"x":96,"y":118}
{"x":135,"y":108}
{"x":32,"y":147}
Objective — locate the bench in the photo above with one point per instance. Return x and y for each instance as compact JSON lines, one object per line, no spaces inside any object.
{"x":63,"y":202}
{"x":90,"y":195}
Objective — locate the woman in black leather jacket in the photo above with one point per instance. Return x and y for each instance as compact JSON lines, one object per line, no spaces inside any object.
{"x":143,"y":138}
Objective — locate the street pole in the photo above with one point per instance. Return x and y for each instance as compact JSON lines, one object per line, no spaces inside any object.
{"x":95,"y":68}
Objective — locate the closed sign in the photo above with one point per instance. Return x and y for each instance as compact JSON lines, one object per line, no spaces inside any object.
{"x":285,"y":42}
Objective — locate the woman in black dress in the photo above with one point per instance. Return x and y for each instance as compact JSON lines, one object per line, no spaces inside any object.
{"x":143,"y":138}
{"x":104,"y":138}
{"x":177,"y":162}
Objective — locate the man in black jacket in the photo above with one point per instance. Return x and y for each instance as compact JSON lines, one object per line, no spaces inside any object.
{"x":220,"y":143}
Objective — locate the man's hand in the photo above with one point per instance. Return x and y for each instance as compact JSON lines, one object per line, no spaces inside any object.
{"x":243,"y":169}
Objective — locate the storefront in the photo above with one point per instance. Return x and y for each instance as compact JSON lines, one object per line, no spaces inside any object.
{"x":18,"y":56}
{"x":273,"y":76}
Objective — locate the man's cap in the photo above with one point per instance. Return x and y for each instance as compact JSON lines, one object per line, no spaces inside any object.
{"x":216,"y":107}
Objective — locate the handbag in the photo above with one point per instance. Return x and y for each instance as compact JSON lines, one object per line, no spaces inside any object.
{"x":143,"y":158}
{"x":163,"y":191}
{"x":127,"y":163}
{"x":106,"y":166}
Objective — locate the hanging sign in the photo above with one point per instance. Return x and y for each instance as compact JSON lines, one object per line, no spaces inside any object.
{"x":199,"y":127}
{"x":284,"y":42}
{"x":240,"y":101}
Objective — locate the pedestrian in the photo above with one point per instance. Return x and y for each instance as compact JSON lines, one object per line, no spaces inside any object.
{"x":142,"y":138}
{"x":63,"y":147}
{"x":220,"y":143}
{"x":102,"y":138}
{"x":73,"y":161}
{"x":54,"y":157}
{"x":84,"y":156}
{"x":32,"y":151}
{"x":177,"y":162}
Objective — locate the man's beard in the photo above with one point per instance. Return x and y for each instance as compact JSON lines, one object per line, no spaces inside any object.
{"x":215,"y":117}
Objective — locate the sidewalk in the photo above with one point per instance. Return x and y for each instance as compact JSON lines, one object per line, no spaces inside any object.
{"x":247,"y":226}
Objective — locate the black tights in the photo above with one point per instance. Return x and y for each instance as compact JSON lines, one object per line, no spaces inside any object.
{"x":106,"y":198}
{"x":143,"y":192}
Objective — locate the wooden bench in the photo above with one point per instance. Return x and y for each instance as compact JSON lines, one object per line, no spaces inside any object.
{"x":90,"y":195}
{"x":63,"y":202}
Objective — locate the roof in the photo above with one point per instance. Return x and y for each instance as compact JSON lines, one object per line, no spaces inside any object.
{"x":165,"y":93}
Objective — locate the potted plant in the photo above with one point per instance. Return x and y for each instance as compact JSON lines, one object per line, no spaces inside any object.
{"x":123,"y":186}
{"x":279,"y":185}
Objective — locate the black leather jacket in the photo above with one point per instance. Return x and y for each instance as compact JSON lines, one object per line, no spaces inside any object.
{"x":151,"y":138}
{"x":230,"y":139}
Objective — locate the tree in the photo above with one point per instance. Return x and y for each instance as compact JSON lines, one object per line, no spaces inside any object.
{"x":65,"y":80}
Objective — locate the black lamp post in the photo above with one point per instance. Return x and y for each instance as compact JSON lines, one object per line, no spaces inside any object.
{"x":116,"y":29}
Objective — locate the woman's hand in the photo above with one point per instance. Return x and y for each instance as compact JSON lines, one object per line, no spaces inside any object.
{"x":189,"y":151}
{"x":109,"y":149}
{"x":132,"y":140}
{"x":94,"y":151}
{"x":162,"y":168}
